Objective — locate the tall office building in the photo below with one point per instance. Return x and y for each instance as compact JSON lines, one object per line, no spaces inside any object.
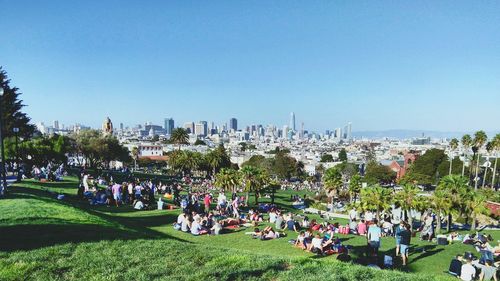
{"x":121,"y":126}
{"x":169,"y":126}
{"x":292,"y":121}
{"x":349,"y":131}
{"x":189,"y":126}
{"x":233,"y":124}
{"x":201,"y":128}
{"x":56,"y":125}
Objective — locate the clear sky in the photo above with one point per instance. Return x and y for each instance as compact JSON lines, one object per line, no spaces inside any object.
{"x":380,"y":64}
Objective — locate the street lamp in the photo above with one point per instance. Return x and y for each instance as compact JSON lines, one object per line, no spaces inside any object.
{"x":16,"y":131}
{"x":2,"y":150}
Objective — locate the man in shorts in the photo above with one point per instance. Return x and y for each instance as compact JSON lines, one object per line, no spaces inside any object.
{"x":404,"y":245}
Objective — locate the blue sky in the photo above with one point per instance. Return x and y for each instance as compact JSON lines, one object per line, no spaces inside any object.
{"x":380,"y":64}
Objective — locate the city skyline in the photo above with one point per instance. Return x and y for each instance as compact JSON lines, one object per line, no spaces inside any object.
{"x":327,"y":62}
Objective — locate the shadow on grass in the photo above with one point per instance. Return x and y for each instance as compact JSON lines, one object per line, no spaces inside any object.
{"x":58,"y":231}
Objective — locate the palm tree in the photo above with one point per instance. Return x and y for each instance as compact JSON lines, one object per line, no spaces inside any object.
{"x":480,"y":138}
{"x":453,"y":147}
{"x":227,"y":179}
{"x":354,"y":187}
{"x":455,"y":186}
{"x":466,"y":144}
{"x":490,"y":148}
{"x":496,"y":148}
{"x":217,"y":158}
{"x":475,"y":204}
{"x":135,"y":156}
{"x":376,"y":198}
{"x":441,"y":203}
{"x":252,"y":179}
{"x":406,"y":199}
{"x":179,"y":136}
{"x":333,"y":182}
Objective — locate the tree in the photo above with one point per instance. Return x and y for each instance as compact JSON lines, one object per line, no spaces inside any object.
{"x":343,"y":155}
{"x":475,"y":204}
{"x":333,"y":182}
{"x":466,"y":144}
{"x":377,"y":173}
{"x":12,"y":116}
{"x":179,"y":136}
{"x":227,"y":179}
{"x":496,"y":149}
{"x":354,"y":187}
{"x":253,"y":179}
{"x":428,"y":164}
{"x":218,"y":158}
{"x":200,"y":142}
{"x":441,"y":203}
{"x":99,"y":149}
{"x":375,"y":198}
{"x":456,"y":187}
{"x":453,"y":147}
{"x":480,"y":138}
{"x":406,"y":199}
{"x":326,"y":158}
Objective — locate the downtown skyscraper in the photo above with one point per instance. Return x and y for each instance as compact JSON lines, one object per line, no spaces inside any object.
{"x":169,"y":126}
{"x":292,"y":122}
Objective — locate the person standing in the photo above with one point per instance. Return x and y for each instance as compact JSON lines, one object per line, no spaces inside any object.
{"x":117,"y":193}
{"x":207,"y":200}
{"x":404,"y":246}
{"x":373,"y":237}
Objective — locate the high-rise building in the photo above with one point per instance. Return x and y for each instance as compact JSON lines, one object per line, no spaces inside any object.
{"x":233,"y":124}
{"x":121,"y":126}
{"x":169,"y":126}
{"x":292,"y":121}
{"x":189,"y":126}
{"x":349,"y":131}
{"x":201,"y":128}
{"x":56,"y":125}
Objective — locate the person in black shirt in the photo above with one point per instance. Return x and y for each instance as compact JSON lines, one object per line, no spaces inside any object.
{"x":404,"y":247}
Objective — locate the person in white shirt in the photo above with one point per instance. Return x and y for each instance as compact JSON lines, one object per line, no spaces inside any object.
{"x":468,"y":271}
{"x":368,"y":216}
{"x":272,"y":216}
{"x":222,"y":201}
{"x":317,"y":243}
{"x":353,"y":215}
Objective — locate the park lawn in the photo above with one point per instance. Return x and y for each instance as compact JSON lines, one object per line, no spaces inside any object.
{"x":47,"y":239}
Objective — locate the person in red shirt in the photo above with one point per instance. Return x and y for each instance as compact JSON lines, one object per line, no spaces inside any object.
{"x":207,"y":200}
{"x":362,"y":228}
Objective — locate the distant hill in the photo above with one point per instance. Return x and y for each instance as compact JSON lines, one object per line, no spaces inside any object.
{"x":408,"y":134}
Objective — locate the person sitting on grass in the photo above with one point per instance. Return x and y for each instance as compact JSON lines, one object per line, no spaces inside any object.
{"x":362,"y":228}
{"x":186,"y":223}
{"x":300,"y":242}
{"x":468,"y":271}
{"x":196,"y":228}
{"x":217,"y":228}
{"x":488,"y":271}
{"x":138,"y":204}
{"x":292,"y":225}
{"x":316,"y":245}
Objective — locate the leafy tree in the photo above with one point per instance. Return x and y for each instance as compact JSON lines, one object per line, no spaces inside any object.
{"x":343,"y":155}
{"x":415,"y":178}
{"x":218,"y":158}
{"x":99,"y":149}
{"x":326,"y":158}
{"x":428,"y":163}
{"x":444,"y":167}
{"x":179,"y":136}
{"x":12,"y":116}
{"x":376,"y":198}
{"x":200,"y":142}
{"x":377,"y":173}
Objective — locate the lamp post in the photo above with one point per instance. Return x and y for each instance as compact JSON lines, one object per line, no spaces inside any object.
{"x":16,"y":131}
{"x":2,"y":150}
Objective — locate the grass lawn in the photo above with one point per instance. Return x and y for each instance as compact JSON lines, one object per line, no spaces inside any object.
{"x":42,"y":238}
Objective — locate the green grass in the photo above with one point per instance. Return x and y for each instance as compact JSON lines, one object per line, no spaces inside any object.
{"x":42,"y":238}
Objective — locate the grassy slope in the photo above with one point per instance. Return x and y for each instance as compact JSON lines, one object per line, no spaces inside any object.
{"x":107,"y":243}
